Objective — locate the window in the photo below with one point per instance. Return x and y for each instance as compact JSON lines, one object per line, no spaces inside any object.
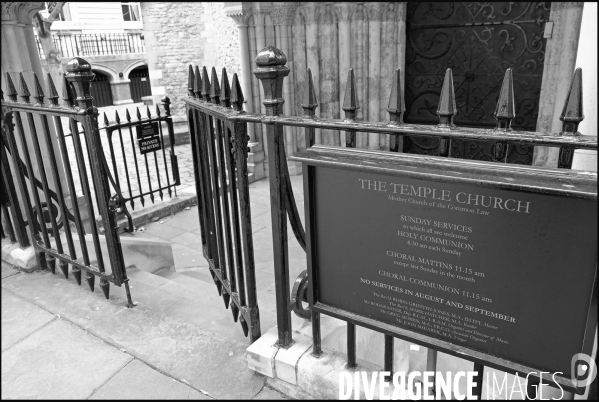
{"x":131,"y":11}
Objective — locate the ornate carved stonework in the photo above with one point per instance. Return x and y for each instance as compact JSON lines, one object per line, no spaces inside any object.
{"x":240,"y":19}
{"x":20,"y":11}
{"x":343,"y":11}
{"x":283,"y":13}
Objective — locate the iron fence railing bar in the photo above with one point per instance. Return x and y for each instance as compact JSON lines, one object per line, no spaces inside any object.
{"x":128,"y":118}
{"x":168,"y":182}
{"x":50,"y":261}
{"x":12,"y":211}
{"x":71,"y":186}
{"x":62,"y":264}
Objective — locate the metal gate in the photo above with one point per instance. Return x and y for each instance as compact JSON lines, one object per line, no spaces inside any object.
{"x":43,"y":188}
{"x":219,"y":150}
{"x":100,"y":90}
{"x":478,"y":41}
{"x":139,"y":84}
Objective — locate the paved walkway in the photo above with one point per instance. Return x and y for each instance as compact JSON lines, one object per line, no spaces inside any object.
{"x":60,"y":341}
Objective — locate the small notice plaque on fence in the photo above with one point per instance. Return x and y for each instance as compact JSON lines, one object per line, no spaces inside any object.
{"x":148,"y":137}
{"x":497,"y":262}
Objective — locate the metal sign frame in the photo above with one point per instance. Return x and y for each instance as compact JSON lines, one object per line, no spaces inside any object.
{"x":566,"y":183}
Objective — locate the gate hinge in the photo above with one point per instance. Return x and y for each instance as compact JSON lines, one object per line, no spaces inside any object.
{"x":548,"y":30}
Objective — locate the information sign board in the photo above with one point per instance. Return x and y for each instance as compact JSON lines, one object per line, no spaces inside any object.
{"x":494,"y":261}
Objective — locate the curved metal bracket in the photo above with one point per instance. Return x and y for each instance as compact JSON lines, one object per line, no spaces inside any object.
{"x":299,"y":295}
{"x":117,"y":201}
{"x":290,"y":205}
{"x":39,"y":185}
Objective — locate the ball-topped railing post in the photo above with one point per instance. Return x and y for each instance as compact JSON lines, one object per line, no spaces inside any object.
{"x":271,"y":71}
{"x":79,"y":73}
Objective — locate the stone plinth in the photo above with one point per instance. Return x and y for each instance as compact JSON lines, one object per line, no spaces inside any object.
{"x":121,"y":92}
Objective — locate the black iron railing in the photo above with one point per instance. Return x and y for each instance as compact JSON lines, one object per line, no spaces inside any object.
{"x":51,"y":202}
{"x":71,"y":45}
{"x":216,"y":117}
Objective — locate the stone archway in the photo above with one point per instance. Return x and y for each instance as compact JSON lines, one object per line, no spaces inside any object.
{"x":139,"y":83}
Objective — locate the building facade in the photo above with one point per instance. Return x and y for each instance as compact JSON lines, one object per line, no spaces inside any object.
{"x":110,"y":36}
{"x":539,"y":41}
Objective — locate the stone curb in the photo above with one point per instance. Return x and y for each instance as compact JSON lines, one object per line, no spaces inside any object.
{"x":161,"y":210}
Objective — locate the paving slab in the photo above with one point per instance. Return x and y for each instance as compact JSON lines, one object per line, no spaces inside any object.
{"x":189,"y":239}
{"x":165,"y":232}
{"x":270,"y":394}
{"x":8,"y":270}
{"x":144,"y":294}
{"x":20,"y":318}
{"x":138,"y":381}
{"x":177,"y":348}
{"x":187,"y":220}
{"x":48,"y":363}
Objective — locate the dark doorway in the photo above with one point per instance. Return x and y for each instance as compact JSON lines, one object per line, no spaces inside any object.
{"x":100,"y":90}
{"x":478,"y":41}
{"x":140,"y":83}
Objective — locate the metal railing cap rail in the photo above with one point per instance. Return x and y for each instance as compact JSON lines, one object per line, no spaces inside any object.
{"x":479,"y":134}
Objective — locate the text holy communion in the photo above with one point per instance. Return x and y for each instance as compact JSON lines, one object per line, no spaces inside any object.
{"x":445,"y":195}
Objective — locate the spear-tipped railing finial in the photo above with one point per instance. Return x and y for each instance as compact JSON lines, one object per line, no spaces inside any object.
{"x":52,"y":92}
{"x":225,"y":89}
{"x":39,"y":91}
{"x":396,"y":107}
{"x":309,"y":104}
{"x":447,"y":106}
{"x":505,"y":111}
{"x":214,"y":87}
{"x":24,"y":90}
{"x":205,"y":84}
{"x":12,"y":91}
{"x":350,"y":100}
{"x":190,"y":81}
{"x":310,"y":100}
{"x":197,"y":83}
{"x":572,"y":113}
{"x":236,"y":94}
{"x":350,"y":106}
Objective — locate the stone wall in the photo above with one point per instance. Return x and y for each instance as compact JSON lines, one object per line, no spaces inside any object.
{"x":222,"y":42}
{"x":179,"y":34}
{"x":175,"y":36}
